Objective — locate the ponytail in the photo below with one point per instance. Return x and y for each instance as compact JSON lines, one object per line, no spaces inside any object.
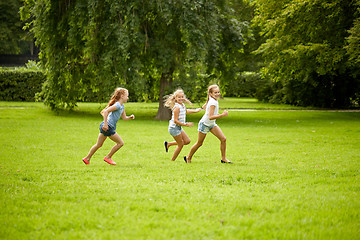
{"x":117,"y":94}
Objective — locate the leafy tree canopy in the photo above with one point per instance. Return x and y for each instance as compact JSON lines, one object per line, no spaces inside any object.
{"x":10,"y":27}
{"x":94,"y":46}
{"x":353,"y":47}
{"x":306,"y":49}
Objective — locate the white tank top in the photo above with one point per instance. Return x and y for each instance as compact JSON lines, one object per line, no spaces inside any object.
{"x":205,"y":119}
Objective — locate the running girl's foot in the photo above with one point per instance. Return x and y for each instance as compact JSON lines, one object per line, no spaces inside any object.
{"x":166,"y":146}
{"x":87,"y":162}
{"x":226,"y":161}
{"x":186,"y":159}
{"x":109,"y":161}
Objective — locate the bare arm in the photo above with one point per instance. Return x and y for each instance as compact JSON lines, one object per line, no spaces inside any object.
{"x":193,"y":110}
{"x":204,"y":106}
{"x":124,"y":117}
{"x":105,"y":116}
{"x":176,"y":118}
{"x":212,"y":116}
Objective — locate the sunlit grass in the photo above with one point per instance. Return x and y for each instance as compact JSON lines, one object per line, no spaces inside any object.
{"x":295,"y":176}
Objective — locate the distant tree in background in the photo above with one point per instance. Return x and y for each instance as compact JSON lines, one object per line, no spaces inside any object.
{"x":236,"y":71}
{"x":90,"y":46}
{"x":312,"y":50}
{"x":10,"y":27}
{"x":353,"y":46}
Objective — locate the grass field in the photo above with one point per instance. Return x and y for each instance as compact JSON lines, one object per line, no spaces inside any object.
{"x":296,"y":175}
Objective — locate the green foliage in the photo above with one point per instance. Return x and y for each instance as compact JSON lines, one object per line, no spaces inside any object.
{"x":33,"y":65}
{"x":254,"y":85}
{"x":10,"y":27}
{"x":305,"y":50}
{"x":20,"y":84}
{"x":353,"y":47}
{"x":90,"y":47}
{"x":239,"y":40}
{"x":244,"y":84}
{"x":26,"y":84}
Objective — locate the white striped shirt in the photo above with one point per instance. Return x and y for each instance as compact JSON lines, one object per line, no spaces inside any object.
{"x":182,"y":114}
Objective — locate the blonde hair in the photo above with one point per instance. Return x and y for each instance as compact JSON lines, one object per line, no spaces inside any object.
{"x":211,"y":90}
{"x":117,"y":94}
{"x":170,"y":99}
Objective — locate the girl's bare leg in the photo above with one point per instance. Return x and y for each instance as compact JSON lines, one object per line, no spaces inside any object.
{"x":98,"y":144}
{"x":181,"y":140}
{"x":195,"y":147}
{"x":184,"y":136}
{"x":180,"y":143}
{"x":220,"y":135}
{"x":119,"y":143}
{"x":171,"y":143}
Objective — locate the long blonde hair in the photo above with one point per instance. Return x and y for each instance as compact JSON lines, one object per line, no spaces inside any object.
{"x":117,"y":94}
{"x":170,"y":99}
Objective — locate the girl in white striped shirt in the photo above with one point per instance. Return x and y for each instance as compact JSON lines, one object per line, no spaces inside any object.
{"x":175,"y":102}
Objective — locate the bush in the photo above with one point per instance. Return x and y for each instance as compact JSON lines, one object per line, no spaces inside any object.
{"x":327,"y":91}
{"x":20,"y":84}
{"x":250,"y":84}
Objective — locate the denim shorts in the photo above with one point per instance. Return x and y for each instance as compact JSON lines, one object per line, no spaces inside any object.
{"x":107,"y":133}
{"x":175,"y":131}
{"x":205,"y":129}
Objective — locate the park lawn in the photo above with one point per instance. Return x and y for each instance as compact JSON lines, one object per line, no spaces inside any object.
{"x":295,"y":176}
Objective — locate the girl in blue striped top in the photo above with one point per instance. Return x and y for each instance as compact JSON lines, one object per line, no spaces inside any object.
{"x":175,"y":102}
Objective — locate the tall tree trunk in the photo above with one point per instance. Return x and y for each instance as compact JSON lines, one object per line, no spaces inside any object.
{"x":163,"y":112}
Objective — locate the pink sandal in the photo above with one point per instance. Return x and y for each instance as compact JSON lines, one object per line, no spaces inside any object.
{"x":86,"y":161}
{"x":109,"y":161}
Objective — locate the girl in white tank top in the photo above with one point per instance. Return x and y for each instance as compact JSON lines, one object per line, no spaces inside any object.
{"x":207,"y":124}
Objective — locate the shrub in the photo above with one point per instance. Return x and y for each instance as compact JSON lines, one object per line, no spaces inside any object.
{"x":249,"y":84}
{"x":20,"y":84}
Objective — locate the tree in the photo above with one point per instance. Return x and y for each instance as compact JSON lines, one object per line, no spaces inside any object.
{"x":91,"y":46}
{"x":353,"y":46}
{"x":10,"y":27}
{"x":238,"y":65}
{"x":305,"y":50}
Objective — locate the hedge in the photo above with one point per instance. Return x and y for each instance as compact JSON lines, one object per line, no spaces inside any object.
{"x":20,"y":84}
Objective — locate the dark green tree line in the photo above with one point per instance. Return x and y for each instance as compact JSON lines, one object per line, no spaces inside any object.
{"x":312,"y":50}
{"x":353,"y":47}
{"x":10,"y":27}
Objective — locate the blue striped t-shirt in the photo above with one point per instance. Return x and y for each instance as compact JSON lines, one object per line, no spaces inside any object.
{"x":182,"y":114}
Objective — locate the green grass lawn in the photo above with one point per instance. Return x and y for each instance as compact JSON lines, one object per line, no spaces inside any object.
{"x":295,"y":176}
